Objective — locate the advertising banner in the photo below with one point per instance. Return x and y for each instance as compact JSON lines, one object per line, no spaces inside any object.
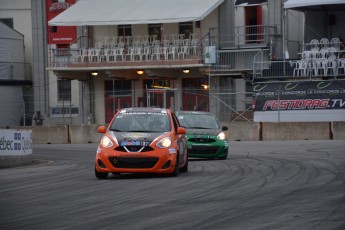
{"x":15,"y":142}
{"x":299,"y":101}
{"x":210,"y":55}
{"x":61,"y":34}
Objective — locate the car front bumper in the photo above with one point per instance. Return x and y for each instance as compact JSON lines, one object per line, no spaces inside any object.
{"x":158,"y":161}
{"x":218,"y":149}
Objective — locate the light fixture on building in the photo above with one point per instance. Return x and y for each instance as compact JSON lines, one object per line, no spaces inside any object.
{"x":94,"y":73}
{"x":140,"y":72}
{"x":185,"y":71}
{"x":204,"y":86}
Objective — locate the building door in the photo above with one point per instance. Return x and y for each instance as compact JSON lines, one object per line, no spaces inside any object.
{"x":253,"y":22}
{"x":158,"y":93}
{"x":195,"y":94}
{"x":117,"y":96}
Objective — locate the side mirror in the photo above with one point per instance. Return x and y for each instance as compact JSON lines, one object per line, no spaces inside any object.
{"x":102,"y":129}
{"x":224,"y":128}
{"x":181,"y":130}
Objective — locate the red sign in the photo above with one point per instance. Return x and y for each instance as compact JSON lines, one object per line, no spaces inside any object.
{"x":60,"y":34}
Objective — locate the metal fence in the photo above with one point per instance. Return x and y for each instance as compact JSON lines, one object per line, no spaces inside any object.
{"x":232,"y":107}
{"x":296,"y":69}
{"x":236,"y":37}
{"x":237,"y":60}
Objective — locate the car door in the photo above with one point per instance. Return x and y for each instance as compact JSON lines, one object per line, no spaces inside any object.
{"x":181,"y":140}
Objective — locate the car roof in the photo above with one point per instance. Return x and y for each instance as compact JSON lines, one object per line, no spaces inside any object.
{"x":144,"y":109}
{"x":194,"y":112}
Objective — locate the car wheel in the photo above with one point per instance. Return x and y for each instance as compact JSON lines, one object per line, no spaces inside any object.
{"x":100,"y":175}
{"x":185,"y":167}
{"x":177,"y":166}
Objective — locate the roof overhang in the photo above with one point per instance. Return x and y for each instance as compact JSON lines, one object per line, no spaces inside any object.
{"x":124,"y":12}
{"x":315,"y":5}
{"x":250,"y":2}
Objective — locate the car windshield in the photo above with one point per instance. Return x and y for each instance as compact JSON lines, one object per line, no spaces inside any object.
{"x":141,"y":122}
{"x":198,"y":121}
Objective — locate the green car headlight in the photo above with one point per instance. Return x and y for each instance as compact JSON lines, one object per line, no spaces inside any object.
{"x":221,"y":136}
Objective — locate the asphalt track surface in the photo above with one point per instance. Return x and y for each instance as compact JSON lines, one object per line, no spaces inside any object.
{"x":262,"y":185}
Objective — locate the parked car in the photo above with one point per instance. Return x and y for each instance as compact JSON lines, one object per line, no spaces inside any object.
{"x":205,"y":137}
{"x":142,"y":140}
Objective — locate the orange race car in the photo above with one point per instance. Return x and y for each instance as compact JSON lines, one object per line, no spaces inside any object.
{"x":142,"y":140}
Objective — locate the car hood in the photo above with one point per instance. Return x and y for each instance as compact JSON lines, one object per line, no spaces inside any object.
{"x":134,"y":136}
{"x":203,"y":131}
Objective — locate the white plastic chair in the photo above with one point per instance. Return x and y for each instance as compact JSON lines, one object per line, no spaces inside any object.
{"x":146,"y":52}
{"x":335,"y":43}
{"x":156,"y":53}
{"x":118,"y":53}
{"x":194,"y":46}
{"x":82,"y":56}
{"x":341,"y":66}
{"x":130,"y":53}
{"x":300,"y":68}
{"x":324,"y":43}
{"x":109,"y":54}
{"x":94,"y":55}
{"x":331,"y":61}
{"x":172,"y":52}
{"x":314,"y":45}
{"x":183,"y":52}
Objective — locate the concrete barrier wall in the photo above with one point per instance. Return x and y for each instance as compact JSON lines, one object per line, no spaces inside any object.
{"x":84,"y":134}
{"x":338,"y":130}
{"x":11,"y":161}
{"x":243,"y":131}
{"x":238,"y":131}
{"x":296,"y":131}
{"x":48,"y":134}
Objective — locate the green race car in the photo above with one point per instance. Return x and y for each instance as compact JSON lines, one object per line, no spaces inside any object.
{"x":205,"y":137}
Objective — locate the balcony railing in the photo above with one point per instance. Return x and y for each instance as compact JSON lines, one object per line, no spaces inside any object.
{"x":298,"y":69}
{"x":126,"y":51}
{"x":239,"y":37}
{"x":237,"y":60}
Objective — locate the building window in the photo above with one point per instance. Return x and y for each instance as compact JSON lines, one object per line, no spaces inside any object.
{"x":155,"y":30}
{"x":118,"y":88}
{"x":64,"y":90}
{"x":7,"y":21}
{"x":157,"y":83}
{"x":186,"y":28}
{"x":124,"y":30}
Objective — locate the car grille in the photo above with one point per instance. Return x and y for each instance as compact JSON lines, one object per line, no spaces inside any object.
{"x":133,"y":148}
{"x":202,"y":140}
{"x":203,"y":150}
{"x":133,"y":162}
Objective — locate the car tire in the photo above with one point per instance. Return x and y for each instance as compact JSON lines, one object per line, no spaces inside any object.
{"x":176,"y":171}
{"x":185,"y":167}
{"x":100,"y":175}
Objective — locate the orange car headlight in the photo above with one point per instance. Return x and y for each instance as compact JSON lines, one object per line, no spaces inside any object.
{"x":106,"y":142}
{"x":164,"y":143}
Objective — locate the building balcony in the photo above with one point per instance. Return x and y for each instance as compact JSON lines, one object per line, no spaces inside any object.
{"x":126,"y":54}
{"x":298,"y":70}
